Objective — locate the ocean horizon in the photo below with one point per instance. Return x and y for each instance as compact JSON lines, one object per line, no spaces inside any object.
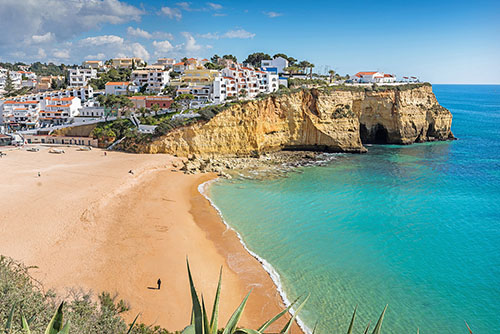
{"x":415,"y":227}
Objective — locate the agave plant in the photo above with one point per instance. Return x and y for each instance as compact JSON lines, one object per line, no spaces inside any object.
{"x":55,"y":325}
{"x":201,"y":325}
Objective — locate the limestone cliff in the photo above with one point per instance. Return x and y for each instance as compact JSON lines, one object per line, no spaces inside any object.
{"x":328,"y":119}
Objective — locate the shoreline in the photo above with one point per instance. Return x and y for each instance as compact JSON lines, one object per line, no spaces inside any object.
{"x":118,"y":232}
{"x":270,"y":270}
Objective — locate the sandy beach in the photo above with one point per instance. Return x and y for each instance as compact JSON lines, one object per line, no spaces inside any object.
{"x":88,"y":223}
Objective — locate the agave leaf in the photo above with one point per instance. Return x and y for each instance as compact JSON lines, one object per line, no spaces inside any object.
{"x":276,"y":317}
{"x":65,"y":329}
{"x":197,"y":316}
{"x":367,"y":327}
{"x":206,"y":325}
{"x":466,"y":324}
{"x":349,"y":331}
{"x":418,"y":330}
{"x":24,"y":323}
{"x":188,"y":330}
{"x":246,"y":331}
{"x":233,"y":321}
{"x":288,"y":325}
{"x":133,"y":323}
{"x":56,"y":324}
{"x":215,"y":310}
{"x":8,"y":324}
{"x":314,"y":328}
{"x":376,"y":330}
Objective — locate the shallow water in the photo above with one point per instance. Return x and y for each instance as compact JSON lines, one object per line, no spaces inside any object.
{"x":416,"y":227}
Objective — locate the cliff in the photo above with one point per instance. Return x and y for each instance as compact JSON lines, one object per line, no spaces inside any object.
{"x":327,"y":119}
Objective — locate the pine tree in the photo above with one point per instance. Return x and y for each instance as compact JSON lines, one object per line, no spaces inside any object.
{"x":9,"y":85}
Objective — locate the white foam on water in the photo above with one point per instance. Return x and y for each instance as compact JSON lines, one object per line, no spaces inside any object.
{"x":202,"y":188}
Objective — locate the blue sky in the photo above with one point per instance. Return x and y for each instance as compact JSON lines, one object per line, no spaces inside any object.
{"x":438,"y":41}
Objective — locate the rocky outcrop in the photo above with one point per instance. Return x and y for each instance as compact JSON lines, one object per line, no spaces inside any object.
{"x":327,"y":119}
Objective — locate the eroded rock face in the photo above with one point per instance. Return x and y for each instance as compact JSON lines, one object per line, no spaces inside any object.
{"x":318,"y":120}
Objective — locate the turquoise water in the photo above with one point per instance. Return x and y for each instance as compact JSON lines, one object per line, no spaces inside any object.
{"x":416,"y":227}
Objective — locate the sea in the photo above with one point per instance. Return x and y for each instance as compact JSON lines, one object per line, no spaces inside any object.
{"x":413,"y":227}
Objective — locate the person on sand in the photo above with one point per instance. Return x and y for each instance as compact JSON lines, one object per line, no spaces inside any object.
{"x":159,"y":283}
{"x":38,"y":174}
{"x":131,"y":172}
{"x":105,"y":153}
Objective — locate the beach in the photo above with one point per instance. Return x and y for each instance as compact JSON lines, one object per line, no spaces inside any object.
{"x":117,"y":223}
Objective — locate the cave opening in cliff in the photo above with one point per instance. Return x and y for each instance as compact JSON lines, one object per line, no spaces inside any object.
{"x":376,"y":135}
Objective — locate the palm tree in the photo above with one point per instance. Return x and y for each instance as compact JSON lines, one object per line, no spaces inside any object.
{"x":332,"y":73}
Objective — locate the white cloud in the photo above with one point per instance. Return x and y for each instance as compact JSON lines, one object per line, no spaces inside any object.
{"x":214,"y":6}
{"x":42,"y":38}
{"x":185,"y":6}
{"x":172,"y":13}
{"x":41,"y":54}
{"x":273,"y":14}
{"x":61,"y":54}
{"x":137,"y":50}
{"x":138,"y":32}
{"x":102,"y":40}
{"x":162,"y":46}
{"x":99,"y":56}
{"x":190,"y":45}
{"x":239,"y":33}
{"x":219,"y":14}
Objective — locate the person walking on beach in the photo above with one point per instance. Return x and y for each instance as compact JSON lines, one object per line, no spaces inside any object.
{"x":38,"y":174}
{"x":131,"y":172}
{"x":105,"y":153}
{"x":159,"y":283}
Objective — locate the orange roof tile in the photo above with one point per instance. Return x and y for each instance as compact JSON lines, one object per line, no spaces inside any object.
{"x":113,"y":83}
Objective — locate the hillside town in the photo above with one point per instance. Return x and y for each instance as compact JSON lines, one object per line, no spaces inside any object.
{"x":32,"y":104}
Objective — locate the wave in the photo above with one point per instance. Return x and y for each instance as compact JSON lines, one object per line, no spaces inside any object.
{"x":275,"y":276}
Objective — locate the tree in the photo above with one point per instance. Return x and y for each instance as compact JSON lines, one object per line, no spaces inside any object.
{"x":243,"y":93}
{"x":213,"y":66}
{"x":155,"y":108}
{"x":231,"y":57}
{"x":184,"y":60}
{"x":215,"y":59}
{"x":291,"y":60}
{"x":332,"y":73}
{"x":255,"y":58}
{"x":185,"y":99}
{"x":9,"y":85}
{"x":176,"y":106}
{"x":169,"y":90}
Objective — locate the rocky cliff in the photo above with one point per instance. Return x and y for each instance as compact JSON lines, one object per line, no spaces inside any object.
{"x":327,"y":119}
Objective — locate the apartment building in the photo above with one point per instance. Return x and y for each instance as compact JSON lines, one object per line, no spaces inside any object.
{"x":18,"y":115}
{"x":127,"y":62}
{"x":154,"y":78}
{"x":79,"y":77}
{"x":276,"y":65}
{"x":166,"y":62}
{"x":121,"y":88}
{"x":249,"y":82}
{"x":57,"y":111}
{"x":94,"y":64}
{"x":83,"y":93}
{"x":373,"y":77}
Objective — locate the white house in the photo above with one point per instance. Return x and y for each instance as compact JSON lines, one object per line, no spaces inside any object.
{"x":59,"y":110}
{"x":79,"y":77}
{"x":277,"y":65}
{"x":95,"y":64}
{"x":373,"y":77}
{"x":166,"y":62}
{"x":249,"y":81}
{"x":120,"y":88}
{"x":83,"y":93}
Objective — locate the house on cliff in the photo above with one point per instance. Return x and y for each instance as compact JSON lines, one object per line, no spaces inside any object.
{"x":373,"y":77}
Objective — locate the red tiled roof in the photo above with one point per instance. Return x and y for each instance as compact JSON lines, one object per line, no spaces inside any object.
{"x":359,"y":74}
{"x":388,"y":76}
{"x":112,"y":83}
{"x":179,"y":64}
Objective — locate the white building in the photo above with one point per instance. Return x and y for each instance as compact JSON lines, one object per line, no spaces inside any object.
{"x":79,"y":77}
{"x":155,"y":79}
{"x":247,"y":82}
{"x":166,"y":62}
{"x":16,"y":78}
{"x":121,"y":88}
{"x":277,"y":65}
{"x":83,"y":93}
{"x":95,"y":64}
{"x":92,"y":109}
{"x":59,"y":110}
{"x":373,"y":77}
{"x":20,"y":114}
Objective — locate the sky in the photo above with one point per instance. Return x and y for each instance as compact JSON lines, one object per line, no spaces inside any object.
{"x":438,"y":41}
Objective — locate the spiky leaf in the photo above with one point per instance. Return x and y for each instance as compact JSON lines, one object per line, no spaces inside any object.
{"x":276,"y":317}
{"x":65,"y":329}
{"x":466,"y":324}
{"x":367,"y":327}
{"x":376,"y":330}
{"x":233,"y":321}
{"x":132,"y":324}
{"x":197,"y":316}
{"x":288,"y":325}
{"x":246,"y":331}
{"x":24,"y":323}
{"x":8,"y":324}
{"x":188,"y":330}
{"x":215,"y":310}
{"x":206,"y":325}
{"x":349,"y":331}
{"x":56,"y":324}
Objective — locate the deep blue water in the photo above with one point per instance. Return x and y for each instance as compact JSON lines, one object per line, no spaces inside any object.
{"x":416,"y":227}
